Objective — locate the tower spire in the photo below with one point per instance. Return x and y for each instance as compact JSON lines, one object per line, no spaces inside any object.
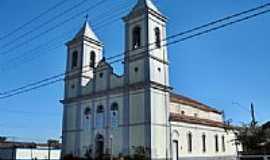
{"x":87,"y":31}
{"x":146,"y":4}
{"x":143,"y":7}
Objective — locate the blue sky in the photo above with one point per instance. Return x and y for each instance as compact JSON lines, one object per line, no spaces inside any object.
{"x":227,"y":66}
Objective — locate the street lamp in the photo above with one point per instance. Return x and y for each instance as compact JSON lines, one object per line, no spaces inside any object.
{"x":111,"y":139}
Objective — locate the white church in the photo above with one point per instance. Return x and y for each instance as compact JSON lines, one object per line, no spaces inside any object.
{"x":106,"y":113}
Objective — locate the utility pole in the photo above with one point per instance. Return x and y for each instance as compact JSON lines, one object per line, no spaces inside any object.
{"x":223,"y":116}
{"x":49,"y":149}
{"x":253,"y":121}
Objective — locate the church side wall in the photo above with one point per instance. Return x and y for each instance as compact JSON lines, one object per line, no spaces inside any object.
{"x":180,"y":133}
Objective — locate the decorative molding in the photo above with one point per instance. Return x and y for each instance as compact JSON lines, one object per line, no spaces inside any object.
{"x":131,"y":87}
{"x":174,"y":117}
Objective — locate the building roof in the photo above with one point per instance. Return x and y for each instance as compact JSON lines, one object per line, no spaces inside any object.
{"x":11,"y":144}
{"x":176,"y":98}
{"x":146,"y":4}
{"x":175,"y":117}
{"x":87,"y":31}
{"x":141,"y":7}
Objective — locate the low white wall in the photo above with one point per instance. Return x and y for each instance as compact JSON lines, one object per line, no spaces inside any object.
{"x":37,"y":153}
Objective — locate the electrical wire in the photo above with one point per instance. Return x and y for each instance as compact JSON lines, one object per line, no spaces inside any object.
{"x":169,"y":43}
{"x":16,"y":46}
{"x":32,"y":20}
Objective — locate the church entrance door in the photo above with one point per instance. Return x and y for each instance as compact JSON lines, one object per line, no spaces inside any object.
{"x":99,"y":146}
{"x":175,"y":150}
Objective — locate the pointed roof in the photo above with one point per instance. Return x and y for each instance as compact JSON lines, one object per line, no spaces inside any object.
{"x":142,"y":6}
{"x":146,"y":4}
{"x":87,"y":31}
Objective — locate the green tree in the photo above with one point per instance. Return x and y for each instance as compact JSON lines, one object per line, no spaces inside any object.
{"x":254,"y":138}
{"x":3,"y":139}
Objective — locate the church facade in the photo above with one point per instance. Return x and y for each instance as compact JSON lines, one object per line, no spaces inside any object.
{"x":105,"y":113}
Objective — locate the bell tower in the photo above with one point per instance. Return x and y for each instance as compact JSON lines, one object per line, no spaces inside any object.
{"x":146,"y":69}
{"x":84,"y":53}
{"x":145,"y":28}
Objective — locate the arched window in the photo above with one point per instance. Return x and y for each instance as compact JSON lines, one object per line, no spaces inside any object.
{"x":157,"y":37}
{"x":189,"y":142}
{"x":136,"y":37}
{"x":100,"y":117}
{"x":216,"y":143}
{"x":87,"y":118}
{"x":223,"y":144}
{"x":114,"y":115}
{"x":100,"y":109}
{"x":204,"y":143}
{"x":74,"y":59}
{"x":114,"y":107}
{"x":87,"y":112}
{"x":92,"y":59}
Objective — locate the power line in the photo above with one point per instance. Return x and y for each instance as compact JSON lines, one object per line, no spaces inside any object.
{"x":211,"y":23}
{"x":241,"y":106}
{"x":170,"y":43}
{"x":176,"y":41}
{"x":33,"y":19}
{"x":220,"y":27}
{"x":48,"y":81}
{"x":25,"y":60}
{"x":52,"y":28}
{"x":222,"y":20}
{"x":43,"y":24}
{"x":12,"y":111}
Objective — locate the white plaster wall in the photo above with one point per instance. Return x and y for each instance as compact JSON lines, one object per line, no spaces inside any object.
{"x":69,"y":144}
{"x":37,"y":153}
{"x":159,"y":121}
{"x":137,"y":107}
{"x":159,"y":141}
{"x":182,"y":129}
{"x":154,"y":22}
{"x":138,"y":76}
{"x":159,"y":72}
{"x":159,"y":104}
{"x":86,"y":69}
{"x":137,"y":135}
{"x":73,"y":92}
{"x":102,"y":81}
{"x":88,"y":88}
{"x":191,"y":111}
{"x":116,"y":81}
{"x":70,"y":128}
{"x":71,"y":116}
